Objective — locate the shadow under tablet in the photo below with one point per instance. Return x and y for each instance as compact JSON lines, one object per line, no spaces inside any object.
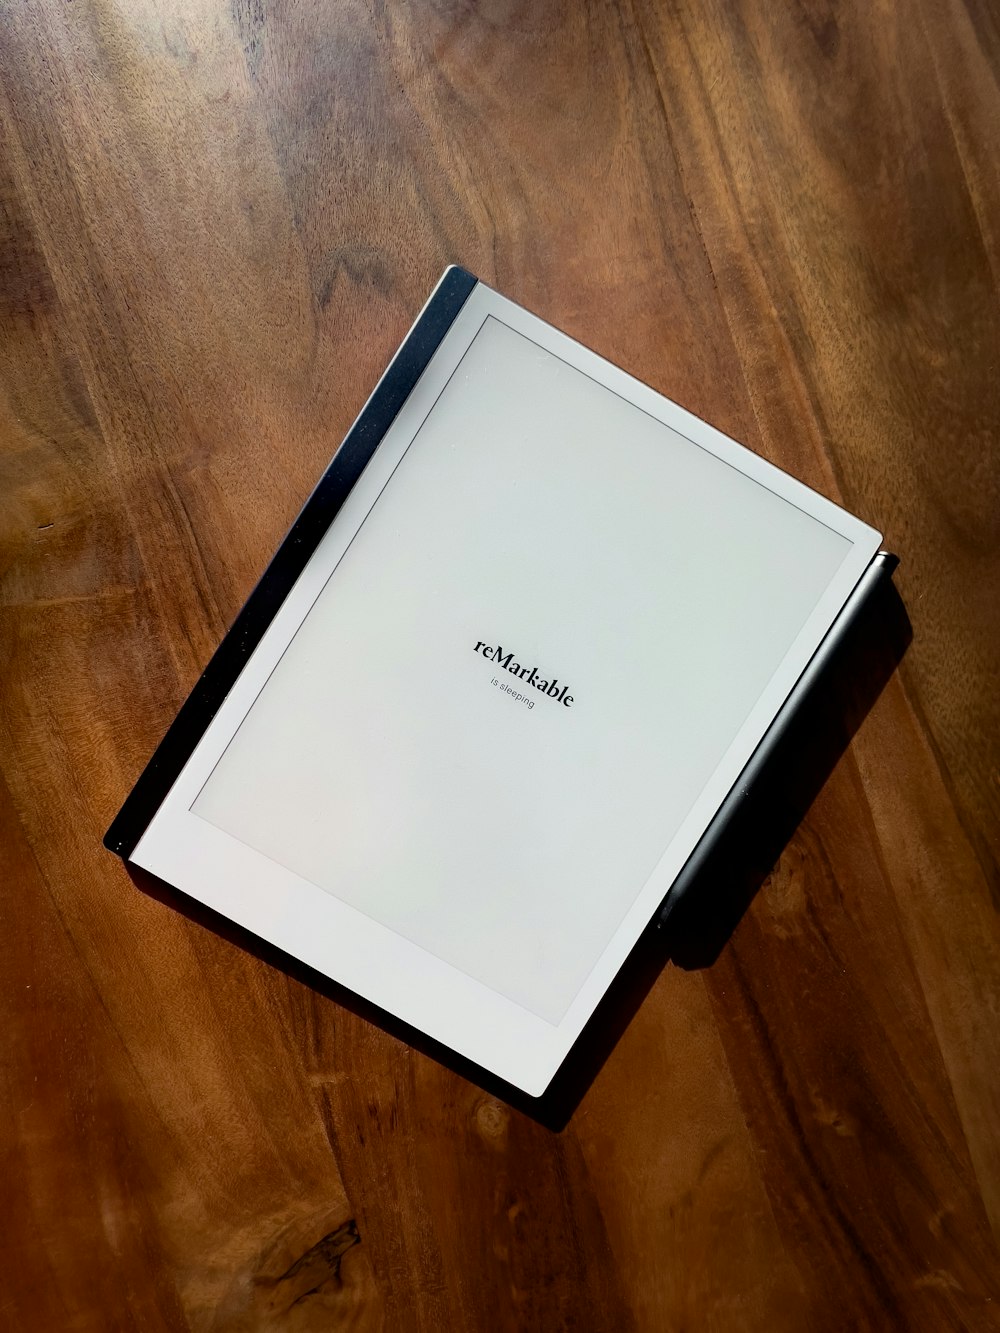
{"x":695,"y":925}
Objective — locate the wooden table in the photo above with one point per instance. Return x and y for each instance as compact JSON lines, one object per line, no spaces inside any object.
{"x":218,"y":220}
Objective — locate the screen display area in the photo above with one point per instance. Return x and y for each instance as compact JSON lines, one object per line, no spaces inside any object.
{"x":533,"y":655}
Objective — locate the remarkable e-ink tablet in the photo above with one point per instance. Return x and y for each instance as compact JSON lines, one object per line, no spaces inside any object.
{"x":500,"y":676}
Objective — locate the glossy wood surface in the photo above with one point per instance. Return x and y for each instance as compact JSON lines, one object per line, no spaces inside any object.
{"x":217,"y":220}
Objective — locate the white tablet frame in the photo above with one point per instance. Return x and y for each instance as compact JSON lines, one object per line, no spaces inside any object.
{"x":344,"y":944}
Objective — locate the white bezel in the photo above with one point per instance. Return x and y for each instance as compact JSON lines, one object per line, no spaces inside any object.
{"x":350,"y":947}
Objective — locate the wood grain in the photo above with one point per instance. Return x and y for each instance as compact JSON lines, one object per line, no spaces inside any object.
{"x":216,"y":223}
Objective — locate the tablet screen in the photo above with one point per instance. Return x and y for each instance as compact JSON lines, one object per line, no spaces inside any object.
{"x":522,"y":672}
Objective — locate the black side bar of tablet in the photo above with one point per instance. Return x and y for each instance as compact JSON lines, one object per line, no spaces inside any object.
{"x":768,"y":752}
